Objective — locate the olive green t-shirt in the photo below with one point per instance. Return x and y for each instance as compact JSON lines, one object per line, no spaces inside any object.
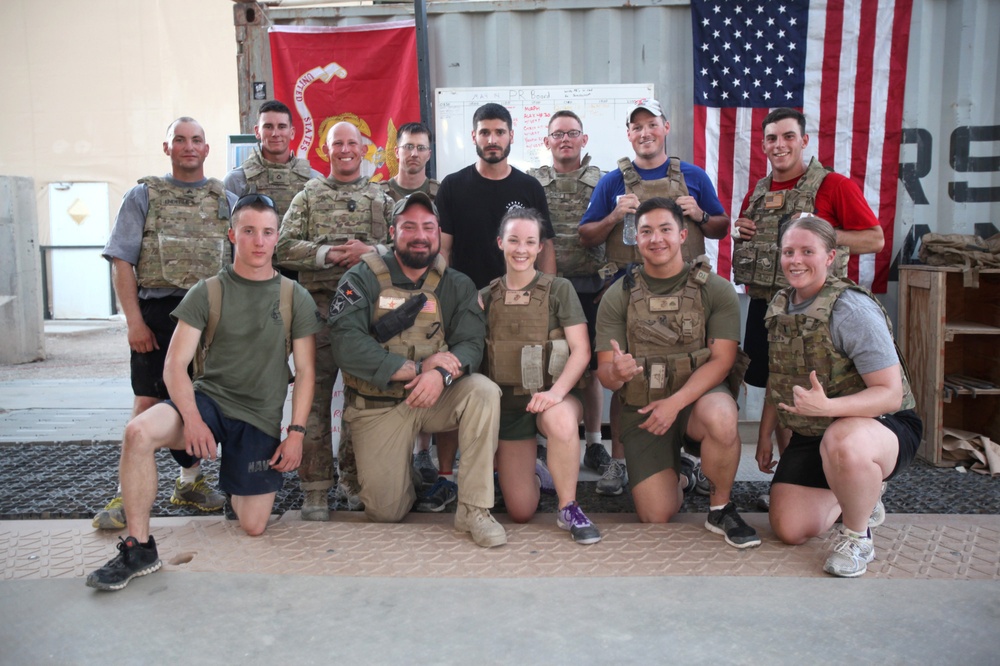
{"x":246,"y":371}
{"x":722,"y":308}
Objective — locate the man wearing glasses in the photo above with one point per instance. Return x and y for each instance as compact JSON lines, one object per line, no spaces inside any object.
{"x":568,"y":184}
{"x":329,"y":225}
{"x":238,"y":399}
{"x":170,"y":232}
{"x":413,"y":152}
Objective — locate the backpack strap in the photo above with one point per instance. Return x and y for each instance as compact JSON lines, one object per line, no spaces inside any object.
{"x":214,"y":287}
{"x":286,"y":311}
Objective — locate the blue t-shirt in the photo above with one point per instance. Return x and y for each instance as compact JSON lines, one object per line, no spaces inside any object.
{"x":612,"y":185}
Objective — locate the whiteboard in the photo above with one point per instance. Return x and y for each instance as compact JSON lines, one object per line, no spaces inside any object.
{"x":601,"y":107}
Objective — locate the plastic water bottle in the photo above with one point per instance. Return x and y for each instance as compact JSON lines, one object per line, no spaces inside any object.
{"x":628,"y":227}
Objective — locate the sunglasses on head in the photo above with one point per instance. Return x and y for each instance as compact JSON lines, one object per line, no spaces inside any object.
{"x":251,"y":199}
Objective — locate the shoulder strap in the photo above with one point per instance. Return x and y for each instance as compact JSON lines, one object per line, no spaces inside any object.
{"x":378,"y":266}
{"x":433,"y":279}
{"x":629,"y":174}
{"x":214,"y":286}
{"x":286,"y":310}
{"x":301,"y":167}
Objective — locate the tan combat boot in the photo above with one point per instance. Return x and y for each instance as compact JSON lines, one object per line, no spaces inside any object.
{"x":316,"y":505}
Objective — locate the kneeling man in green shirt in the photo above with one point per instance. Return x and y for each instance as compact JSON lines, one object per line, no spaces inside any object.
{"x":667,"y":343}
{"x":238,"y":399}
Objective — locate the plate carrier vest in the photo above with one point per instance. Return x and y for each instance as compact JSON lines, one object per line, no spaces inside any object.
{"x":802,"y":342}
{"x":185,"y":237}
{"x":281,"y":182}
{"x":332,"y":222}
{"x":671,"y":187}
{"x":666,"y":335}
{"x":424,"y":338}
{"x":519,"y":344}
{"x":757,"y":262}
{"x":568,"y":195}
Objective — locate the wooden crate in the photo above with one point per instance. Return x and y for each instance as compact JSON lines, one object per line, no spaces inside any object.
{"x":947,"y":328}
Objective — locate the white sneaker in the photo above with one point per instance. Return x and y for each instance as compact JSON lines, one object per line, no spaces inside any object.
{"x":850,"y":557}
{"x":878,"y":513}
{"x":483,"y":527}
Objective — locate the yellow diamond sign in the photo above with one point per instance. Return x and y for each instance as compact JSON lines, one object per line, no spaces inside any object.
{"x":78,"y":211}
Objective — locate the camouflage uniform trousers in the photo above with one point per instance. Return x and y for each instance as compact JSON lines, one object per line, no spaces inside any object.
{"x":316,"y":471}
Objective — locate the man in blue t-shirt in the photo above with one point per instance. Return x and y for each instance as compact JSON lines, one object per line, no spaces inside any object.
{"x":651,"y":174}
{"x":619,"y":192}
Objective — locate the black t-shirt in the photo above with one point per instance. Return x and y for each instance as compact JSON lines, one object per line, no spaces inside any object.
{"x":471,"y":208}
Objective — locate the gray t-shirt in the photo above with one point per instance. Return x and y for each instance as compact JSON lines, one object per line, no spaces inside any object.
{"x":125,"y":241}
{"x":858,"y":330}
{"x":246,"y":370}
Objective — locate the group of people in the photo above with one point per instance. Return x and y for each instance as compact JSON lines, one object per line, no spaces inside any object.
{"x":490,"y":308}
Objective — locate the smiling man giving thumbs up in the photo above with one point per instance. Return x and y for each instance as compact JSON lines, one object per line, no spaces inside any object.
{"x":667,"y":343}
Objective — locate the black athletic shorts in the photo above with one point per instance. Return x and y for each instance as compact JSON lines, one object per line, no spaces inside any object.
{"x":244,"y":468}
{"x":755,"y":343}
{"x":147,"y":368}
{"x":802,"y":465}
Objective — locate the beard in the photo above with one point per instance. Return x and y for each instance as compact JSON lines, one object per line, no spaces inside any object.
{"x":493,"y":160}
{"x":411,"y":260}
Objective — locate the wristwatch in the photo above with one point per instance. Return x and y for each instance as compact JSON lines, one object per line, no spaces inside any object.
{"x":297,"y":428}
{"x":704,"y":219}
{"x":447,"y":375}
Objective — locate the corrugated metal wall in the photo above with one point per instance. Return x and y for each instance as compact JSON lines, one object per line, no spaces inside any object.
{"x":556,"y":42}
{"x":950,"y":164}
{"x":950,"y":172}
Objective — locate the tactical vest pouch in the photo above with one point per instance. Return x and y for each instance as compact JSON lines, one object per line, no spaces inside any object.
{"x":756,"y":263}
{"x":558,"y":355}
{"x":532,"y":364}
{"x":401,"y":350}
{"x":185,"y":259}
{"x":735,"y":379}
{"x":656,"y":333}
{"x":636,"y":392}
{"x":680,"y":367}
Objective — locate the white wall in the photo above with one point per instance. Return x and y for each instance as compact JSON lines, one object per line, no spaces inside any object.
{"x":90,"y":87}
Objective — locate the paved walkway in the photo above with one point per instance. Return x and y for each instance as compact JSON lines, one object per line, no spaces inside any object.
{"x":359,"y":592}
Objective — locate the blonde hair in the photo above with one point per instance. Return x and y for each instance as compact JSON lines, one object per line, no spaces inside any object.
{"x":817,"y":226}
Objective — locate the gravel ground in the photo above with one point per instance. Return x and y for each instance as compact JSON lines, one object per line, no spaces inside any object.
{"x":99,"y":352}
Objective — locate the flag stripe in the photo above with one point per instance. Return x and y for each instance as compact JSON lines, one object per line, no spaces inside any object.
{"x":842,"y":62}
{"x":899,"y":52}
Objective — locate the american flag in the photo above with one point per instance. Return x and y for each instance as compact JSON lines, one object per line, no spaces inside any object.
{"x":841,"y":62}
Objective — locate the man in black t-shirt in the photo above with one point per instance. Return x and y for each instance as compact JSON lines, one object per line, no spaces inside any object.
{"x":473,"y":200}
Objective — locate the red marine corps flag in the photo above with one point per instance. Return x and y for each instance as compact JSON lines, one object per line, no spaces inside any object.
{"x":841,"y":62}
{"x":364,"y":74}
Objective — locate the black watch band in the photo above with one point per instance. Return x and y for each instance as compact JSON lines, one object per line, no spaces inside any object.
{"x":704,"y":219}
{"x":297,"y":428}
{"x":445,"y":374}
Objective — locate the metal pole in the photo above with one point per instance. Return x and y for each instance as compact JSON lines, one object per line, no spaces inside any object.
{"x":424,"y":73}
